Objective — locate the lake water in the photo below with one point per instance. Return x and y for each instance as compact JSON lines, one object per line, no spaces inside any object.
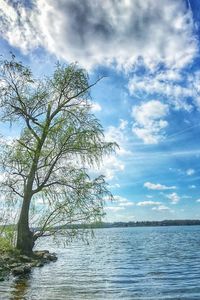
{"x":119,"y":263}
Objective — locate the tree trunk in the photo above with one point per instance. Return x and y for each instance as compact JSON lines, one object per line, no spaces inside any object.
{"x":25,"y":240}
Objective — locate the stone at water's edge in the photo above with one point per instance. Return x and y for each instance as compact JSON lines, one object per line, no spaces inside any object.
{"x":25,"y":258}
{"x":45,"y":256}
{"x":40,"y":253}
{"x":22,"y":270}
{"x":19,"y":265}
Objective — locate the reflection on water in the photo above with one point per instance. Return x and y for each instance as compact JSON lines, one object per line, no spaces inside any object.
{"x":19,"y":287}
{"x":120,"y":263}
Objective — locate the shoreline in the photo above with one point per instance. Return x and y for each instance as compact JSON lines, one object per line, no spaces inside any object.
{"x":120,"y":224}
{"x":20,"y":265}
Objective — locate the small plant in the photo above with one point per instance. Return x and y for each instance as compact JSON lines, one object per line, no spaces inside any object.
{"x":7,"y":239}
{"x":5,"y":245}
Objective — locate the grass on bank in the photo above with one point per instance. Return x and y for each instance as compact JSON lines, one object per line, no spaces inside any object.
{"x":7,"y":236}
{"x":5,"y":245}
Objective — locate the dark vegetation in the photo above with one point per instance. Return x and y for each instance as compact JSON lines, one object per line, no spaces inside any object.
{"x":140,"y":224}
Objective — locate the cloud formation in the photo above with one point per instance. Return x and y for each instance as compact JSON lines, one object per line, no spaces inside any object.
{"x":190,"y":172}
{"x":161,"y":208}
{"x":178,"y":88}
{"x":95,"y":107}
{"x":110,"y":166}
{"x":174,"y":197}
{"x":192,"y":186}
{"x":149,"y":121}
{"x":119,"y":204}
{"x":118,"y":134}
{"x":122,"y":201}
{"x":103,"y":32}
{"x":158,"y":186}
{"x":169,"y":84}
{"x":114,"y":208}
{"x":148,"y":203}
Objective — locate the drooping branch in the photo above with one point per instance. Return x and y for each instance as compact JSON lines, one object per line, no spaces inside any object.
{"x":60,"y":137}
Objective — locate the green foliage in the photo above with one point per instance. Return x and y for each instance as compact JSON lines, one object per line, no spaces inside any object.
{"x":9,"y":233}
{"x":61,"y":140}
{"x":5,"y":245}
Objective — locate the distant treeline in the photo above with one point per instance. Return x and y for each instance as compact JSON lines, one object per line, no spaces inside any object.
{"x":153,"y":223}
{"x":138,"y":224}
{"x":123,"y":224}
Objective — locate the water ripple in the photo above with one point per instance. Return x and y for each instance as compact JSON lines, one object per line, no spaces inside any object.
{"x":120,"y":263}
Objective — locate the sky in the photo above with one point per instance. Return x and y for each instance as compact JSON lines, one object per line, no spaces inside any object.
{"x":148,"y":101}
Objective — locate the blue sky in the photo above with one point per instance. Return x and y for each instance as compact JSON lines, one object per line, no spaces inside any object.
{"x":148,"y":101}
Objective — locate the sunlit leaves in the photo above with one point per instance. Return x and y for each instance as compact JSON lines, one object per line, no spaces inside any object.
{"x":60,"y":139}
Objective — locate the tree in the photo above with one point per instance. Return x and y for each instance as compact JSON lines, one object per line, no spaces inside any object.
{"x":60,"y":138}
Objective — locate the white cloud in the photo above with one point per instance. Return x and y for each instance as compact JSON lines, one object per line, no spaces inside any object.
{"x":192,"y":186}
{"x":178,"y":171}
{"x":19,"y":26}
{"x":121,"y":201}
{"x":149,"y":121}
{"x":95,"y":107}
{"x":174,"y":197}
{"x":190,"y":172}
{"x":114,"y":185}
{"x":103,"y":32}
{"x":149,"y":196}
{"x":158,"y":186}
{"x":148,"y":203}
{"x":118,"y":134}
{"x":114,"y":208}
{"x":110,"y":167}
{"x":198,"y":200}
{"x":167,"y":84}
{"x":114,"y":164}
{"x":161,"y":208}
{"x":178,"y":88}
{"x":123,"y":124}
{"x":193,"y":82}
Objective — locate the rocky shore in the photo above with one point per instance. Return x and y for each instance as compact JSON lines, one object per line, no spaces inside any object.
{"x":20,"y":265}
